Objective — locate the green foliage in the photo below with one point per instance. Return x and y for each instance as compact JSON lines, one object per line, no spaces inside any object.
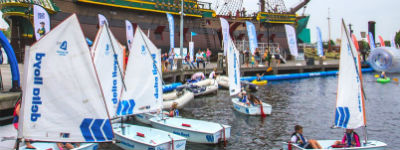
{"x":397,"y":38}
{"x":387,"y":43}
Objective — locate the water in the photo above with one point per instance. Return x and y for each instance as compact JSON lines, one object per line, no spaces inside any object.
{"x":307,"y":102}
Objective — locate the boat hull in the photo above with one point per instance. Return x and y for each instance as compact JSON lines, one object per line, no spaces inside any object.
{"x":47,"y":146}
{"x":215,"y":134}
{"x":250,"y":110}
{"x":223,"y":82}
{"x":383,"y":80}
{"x":210,"y":85}
{"x":129,"y":140}
{"x":326,"y":144}
{"x":261,"y":83}
{"x":181,"y":100}
{"x":145,"y":117}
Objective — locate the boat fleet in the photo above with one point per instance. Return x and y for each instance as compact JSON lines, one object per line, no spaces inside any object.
{"x":72,"y":93}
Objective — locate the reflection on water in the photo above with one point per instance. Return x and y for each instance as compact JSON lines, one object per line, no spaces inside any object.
{"x":308,"y":102}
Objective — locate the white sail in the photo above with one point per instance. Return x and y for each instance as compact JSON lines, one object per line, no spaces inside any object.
{"x":233,"y":59}
{"x":62,"y":101}
{"x":144,"y":88}
{"x":107,"y":57}
{"x":350,"y":98}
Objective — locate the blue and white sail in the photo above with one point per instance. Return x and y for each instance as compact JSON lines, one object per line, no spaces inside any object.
{"x":144,"y":91}
{"x":320,"y":48}
{"x":102,"y":20}
{"x":251,"y":32}
{"x":107,"y":57}
{"x":62,"y":100}
{"x":41,"y":19}
{"x":233,"y":60}
{"x":350,"y":111}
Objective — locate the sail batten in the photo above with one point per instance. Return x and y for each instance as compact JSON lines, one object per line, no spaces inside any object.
{"x":62,"y":99}
{"x":350,"y":97}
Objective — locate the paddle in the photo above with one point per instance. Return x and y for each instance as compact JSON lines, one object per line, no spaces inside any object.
{"x":269,"y":69}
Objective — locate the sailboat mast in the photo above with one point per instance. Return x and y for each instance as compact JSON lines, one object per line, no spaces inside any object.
{"x":119,"y":66}
{"x":358,"y":68}
{"x":148,"y":50}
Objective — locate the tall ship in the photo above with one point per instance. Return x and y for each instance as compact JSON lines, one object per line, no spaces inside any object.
{"x":201,"y":17}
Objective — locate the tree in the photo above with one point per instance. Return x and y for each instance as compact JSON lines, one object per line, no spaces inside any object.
{"x":397,"y":38}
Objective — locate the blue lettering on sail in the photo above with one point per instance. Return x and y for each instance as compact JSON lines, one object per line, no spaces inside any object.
{"x":235,"y":68}
{"x":37,"y":81}
{"x":115,"y":82}
{"x":155,"y":75}
{"x":357,"y":76}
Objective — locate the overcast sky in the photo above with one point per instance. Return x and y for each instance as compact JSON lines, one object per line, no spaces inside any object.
{"x":386,"y":14}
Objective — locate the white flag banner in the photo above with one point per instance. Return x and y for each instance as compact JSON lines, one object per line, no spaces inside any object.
{"x":62,"y":100}
{"x":191,"y":51}
{"x":102,"y":20}
{"x":107,"y":65}
{"x":225,"y":34}
{"x":129,"y":34}
{"x":144,"y":91}
{"x":41,"y":20}
{"x":392,"y":41}
{"x":292,"y":40}
{"x":3,"y":24}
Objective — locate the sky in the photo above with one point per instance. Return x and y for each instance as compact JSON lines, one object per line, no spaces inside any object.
{"x":386,"y":14}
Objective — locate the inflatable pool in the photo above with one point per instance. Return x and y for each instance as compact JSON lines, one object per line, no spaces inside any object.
{"x":383,"y":80}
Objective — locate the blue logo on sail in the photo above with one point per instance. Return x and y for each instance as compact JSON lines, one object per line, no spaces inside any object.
{"x":143,"y":50}
{"x":63,"y":49}
{"x":96,"y":130}
{"x":342,"y":117}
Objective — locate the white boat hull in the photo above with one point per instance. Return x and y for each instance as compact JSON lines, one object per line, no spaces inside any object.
{"x":223,"y":81}
{"x":153,"y":139}
{"x":327,"y":144}
{"x":251,"y":110}
{"x":145,"y":117}
{"x":181,"y":100}
{"x":53,"y":146}
{"x":198,"y":132}
{"x":210,"y":84}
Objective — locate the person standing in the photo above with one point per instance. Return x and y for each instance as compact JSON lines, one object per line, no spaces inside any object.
{"x":208,"y":55}
{"x":257,"y":56}
{"x":277,"y":56}
{"x":267,"y":57}
{"x":171,"y":59}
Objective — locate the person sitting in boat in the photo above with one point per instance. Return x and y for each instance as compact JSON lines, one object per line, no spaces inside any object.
{"x":383,"y":75}
{"x":243,"y":97}
{"x":17,"y":109}
{"x":174,"y":112}
{"x":259,"y":76}
{"x":298,"y":138}
{"x":350,"y":139}
{"x":254,"y":100}
{"x":213,"y":75}
{"x":198,"y":76}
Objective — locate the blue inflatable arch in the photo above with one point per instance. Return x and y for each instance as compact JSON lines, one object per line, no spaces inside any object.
{"x":13,"y":63}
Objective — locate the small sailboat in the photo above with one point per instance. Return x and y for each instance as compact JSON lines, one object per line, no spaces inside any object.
{"x":143,"y":94}
{"x":62,"y":98}
{"x":223,"y":82}
{"x":350,"y":110}
{"x":234,"y":77}
{"x":197,"y":131}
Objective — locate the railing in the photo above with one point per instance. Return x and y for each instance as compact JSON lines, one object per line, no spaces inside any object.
{"x":244,"y":45}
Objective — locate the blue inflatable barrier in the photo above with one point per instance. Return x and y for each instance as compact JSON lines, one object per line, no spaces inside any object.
{"x":170,"y":87}
{"x":13,"y":62}
{"x":298,"y":75}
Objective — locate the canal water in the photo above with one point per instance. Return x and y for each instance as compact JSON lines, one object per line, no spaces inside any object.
{"x":307,"y":102}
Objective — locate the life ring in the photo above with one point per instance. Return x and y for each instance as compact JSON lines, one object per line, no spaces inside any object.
{"x":383,"y":80}
{"x":262,"y":82}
